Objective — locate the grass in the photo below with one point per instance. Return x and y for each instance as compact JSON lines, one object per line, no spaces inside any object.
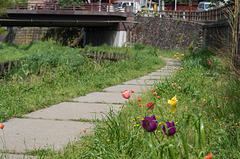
{"x":206,"y":118}
{"x":50,"y":74}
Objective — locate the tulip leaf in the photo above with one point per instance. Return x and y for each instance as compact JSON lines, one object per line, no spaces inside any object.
{"x":201,"y":126}
{"x":184,"y":141}
{"x":172,"y":151}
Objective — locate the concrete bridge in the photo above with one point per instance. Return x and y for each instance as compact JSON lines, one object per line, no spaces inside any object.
{"x":102,"y":23}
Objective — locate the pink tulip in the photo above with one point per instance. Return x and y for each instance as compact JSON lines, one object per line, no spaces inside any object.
{"x":126,"y":94}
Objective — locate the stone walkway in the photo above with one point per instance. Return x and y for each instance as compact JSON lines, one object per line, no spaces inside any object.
{"x":55,"y":126}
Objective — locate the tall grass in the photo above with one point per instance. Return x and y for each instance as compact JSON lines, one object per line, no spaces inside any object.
{"x":206,"y":118}
{"x":52,"y":73}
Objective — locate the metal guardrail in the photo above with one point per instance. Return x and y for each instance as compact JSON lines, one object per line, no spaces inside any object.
{"x":210,"y":15}
{"x":100,"y":7}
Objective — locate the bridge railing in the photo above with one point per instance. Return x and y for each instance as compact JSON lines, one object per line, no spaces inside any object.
{"x":210,"y":15}
{"x":96,"y":7}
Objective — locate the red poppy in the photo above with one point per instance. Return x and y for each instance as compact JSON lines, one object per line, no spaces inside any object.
{"x":132,"y":91}
{"x":139,"y":99}
{"x":154,"y":93}
{"x":177,"y":53}
{"x":170,"y":60}
{"x":181,"y":68}
{"x":179,"y":87}
{"x":152,"y":90}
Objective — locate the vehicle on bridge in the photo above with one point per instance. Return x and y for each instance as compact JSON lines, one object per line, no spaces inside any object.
{"x":204,"y":6}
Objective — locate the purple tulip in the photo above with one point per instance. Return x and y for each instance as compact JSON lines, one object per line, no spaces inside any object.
{"x":150,"y":123}
{"x":171,"y":128}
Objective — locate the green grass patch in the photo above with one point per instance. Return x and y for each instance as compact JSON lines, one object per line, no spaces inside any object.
{"x":206,"y":118}
{"x":51,"y":74}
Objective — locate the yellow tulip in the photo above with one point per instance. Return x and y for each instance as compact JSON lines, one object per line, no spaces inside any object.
{"x":173,"y":102}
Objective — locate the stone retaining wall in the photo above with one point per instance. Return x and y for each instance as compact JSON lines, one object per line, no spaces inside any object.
{"x":167,"y":34}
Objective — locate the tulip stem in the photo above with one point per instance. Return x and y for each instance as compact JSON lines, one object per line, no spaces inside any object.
{"x":156,"y":137}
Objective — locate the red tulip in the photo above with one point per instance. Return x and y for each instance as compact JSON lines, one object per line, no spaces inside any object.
{"x":179,"y":87}
{"x":177,"y":58}
{"x":177,"y":53}
{"x":154,"y":93}
{"x":170,"y":60}
{"x":181,"y":68}
{"x":209,"y":156}
{"x":150,"y":105}
{"x":209,"y":63}
{"x":1,"y":126}
{"x":182,"y":55}
{"x":174,"y":84}
{"x":132,"y":91}
{"x":126,"y":94}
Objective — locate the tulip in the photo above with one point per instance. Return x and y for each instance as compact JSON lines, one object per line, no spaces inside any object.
{"x":132,"y":91}
{"x":181,"y":68}
{"x":154,"y":93}
{"x":177,"y":58}
{"x":139,"y":99}
{"x":126,"y":94}
{"x":173,"y":102}
{"x":1,"y":126}
{"x":182,"y":55}
{"x":209,"y":156}
{"x":175,"y":68}
{"x":170,"y":60}
{"x":179,"y":87}
{"x":209,"y":63}
{"x":150,"y":105}
{"x":174,"y":84}
{"x":171,"y":128}
{"x":152,"y":90}
{"x":149,"y":123}
{"x":177,"y":53}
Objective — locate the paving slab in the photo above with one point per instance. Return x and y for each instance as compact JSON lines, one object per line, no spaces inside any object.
{"x":16,"y":156}
{"x":160,"y":74}
{"x":26,"y":134}
{"x":101,"y":97}
{"x":72,"y":110}
{"x":121,"y":88}
{"x":141,"y":82}
{"x":159,"y":77}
